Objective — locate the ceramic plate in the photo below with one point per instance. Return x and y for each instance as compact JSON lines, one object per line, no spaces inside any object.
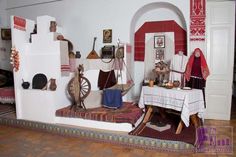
{"x":186,"y":88}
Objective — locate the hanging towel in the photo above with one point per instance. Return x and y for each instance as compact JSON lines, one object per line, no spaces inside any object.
{"x":65,"y":70}
{"x":112,"y":98}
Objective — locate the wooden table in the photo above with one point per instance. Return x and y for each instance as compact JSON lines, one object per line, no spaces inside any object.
{"x":189,"y":103}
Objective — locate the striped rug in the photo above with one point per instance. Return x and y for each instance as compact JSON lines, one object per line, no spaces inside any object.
{"x":6,"y":109}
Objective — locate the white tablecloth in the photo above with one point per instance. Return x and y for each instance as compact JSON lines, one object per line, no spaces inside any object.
{"x":188,"y":102}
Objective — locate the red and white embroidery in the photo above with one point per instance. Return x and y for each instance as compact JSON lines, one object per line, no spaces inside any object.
{"x":19,"y":23}
{"x":197,"y":20}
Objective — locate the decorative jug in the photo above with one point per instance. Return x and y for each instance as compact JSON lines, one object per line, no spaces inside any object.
{"x":77,"y":55}
{"x":25,"y":85}
{"x":53,"y":85}
{"x":53,"y":26}
{"x":176,"y":84}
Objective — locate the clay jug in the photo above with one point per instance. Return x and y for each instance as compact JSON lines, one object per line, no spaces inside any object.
{"x":25,"y":85}
{"x":77,"y":55}
{"x":53,"y":85}
{"x":53,"y":26}
{"x":151,"y":83}
{"x":176,"y":84}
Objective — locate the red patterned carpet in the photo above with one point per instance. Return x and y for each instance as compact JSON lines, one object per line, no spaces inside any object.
{"x":7,"y":109}
{"x":188,"y":134}
{"x":128,"y":113}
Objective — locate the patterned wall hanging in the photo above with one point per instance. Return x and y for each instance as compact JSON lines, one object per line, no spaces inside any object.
{"x":197,"y":20}
{"x":19,"y":23}
{"x":155,"y":27}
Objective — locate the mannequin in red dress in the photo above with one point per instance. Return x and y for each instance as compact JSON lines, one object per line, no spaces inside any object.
{"x":196,"y":70}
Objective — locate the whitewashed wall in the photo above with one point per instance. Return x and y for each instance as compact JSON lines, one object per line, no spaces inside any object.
{"x":160,"y":14}
{"x":5,"y":45}
{"x":82,"y":20}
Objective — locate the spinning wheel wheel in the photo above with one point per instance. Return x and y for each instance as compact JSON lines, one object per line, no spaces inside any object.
{"x":84,"y":87}
{"x":79,"y":88}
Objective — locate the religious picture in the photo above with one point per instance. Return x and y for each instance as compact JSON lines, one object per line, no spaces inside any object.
{"x":159,"y":41}
{"x":159,"y":54}
{"x":107,"y":36}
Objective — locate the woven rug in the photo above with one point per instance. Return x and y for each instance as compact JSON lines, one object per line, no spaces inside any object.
{"x":7,"y":109}
{"x":187,"y":135}
{"x":128,"y":113}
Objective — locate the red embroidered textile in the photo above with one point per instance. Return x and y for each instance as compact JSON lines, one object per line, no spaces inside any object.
{"x":196,"y":68}
{"x":204,"y":68}
{"x":180,"y":37}
{"x":197,"y":20}
{"x":7,"y":95}
{"x":19,"y":23}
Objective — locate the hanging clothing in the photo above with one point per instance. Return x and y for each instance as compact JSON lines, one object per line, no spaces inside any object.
{"x":112,"y":98}
{"x":104,"y":81}
{"x":203,"y":65}
{"x":196,"y":67}
{"x":178,"y":66}
{"x":196,"y":79}
{"x":197,"y":83}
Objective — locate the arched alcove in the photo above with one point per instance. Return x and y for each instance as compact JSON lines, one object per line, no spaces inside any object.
{"x":147,"y":16}
{"x":180,"y":36}
{"x":145,"y":21}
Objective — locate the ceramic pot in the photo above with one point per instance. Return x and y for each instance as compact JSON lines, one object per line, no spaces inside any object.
{"x":77,"y":55}
{"x":53,"y":26}
{"x":25,"y":85}
{"x":176,"y":84}
{"x":53,"y":85}
{"x":151,"y":83}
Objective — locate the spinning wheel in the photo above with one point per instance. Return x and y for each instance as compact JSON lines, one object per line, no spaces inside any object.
{"x":84,"y":87}
{"x":79,"y":88}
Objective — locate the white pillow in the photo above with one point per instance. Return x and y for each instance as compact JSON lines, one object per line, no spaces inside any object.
{"x":94,"y":99}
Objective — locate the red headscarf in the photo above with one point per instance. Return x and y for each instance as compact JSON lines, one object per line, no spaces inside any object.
{"x":204,"y":67}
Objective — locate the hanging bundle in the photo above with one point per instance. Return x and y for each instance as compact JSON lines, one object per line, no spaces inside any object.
{"x":120,"y":59}
{"x":15,"y":59}
{"x":112,"y":96}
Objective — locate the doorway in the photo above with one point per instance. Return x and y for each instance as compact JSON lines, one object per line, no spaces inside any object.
{"x":233,"y":103}
{"x":220,"y":56}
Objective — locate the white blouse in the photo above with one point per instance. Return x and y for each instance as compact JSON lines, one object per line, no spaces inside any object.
{"x":177,"y":66}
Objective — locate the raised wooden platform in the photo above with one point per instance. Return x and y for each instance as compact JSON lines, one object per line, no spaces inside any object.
{"x":128,"y":113}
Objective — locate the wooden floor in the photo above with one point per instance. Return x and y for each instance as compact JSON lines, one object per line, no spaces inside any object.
{"x":18,"y":142}
{"x":28,"y":143}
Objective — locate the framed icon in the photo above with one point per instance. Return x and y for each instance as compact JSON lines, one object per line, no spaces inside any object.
{"x":159,"y":54}
{"x":107,"y":35}
{"x":159,"y":41}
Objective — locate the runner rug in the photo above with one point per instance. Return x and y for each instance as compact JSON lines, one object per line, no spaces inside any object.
{"x":188,"y":134}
